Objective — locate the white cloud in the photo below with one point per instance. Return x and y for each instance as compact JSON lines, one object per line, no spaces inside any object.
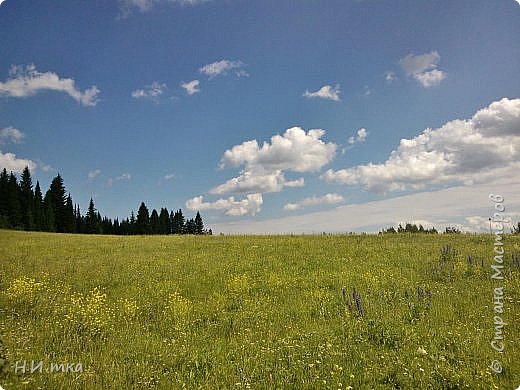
{"x":93,"y":174}
{"x":222,"y":67}
{"x":390,"y":76}
{"x":295,"y":150}
{"x":145,"y":5}
{"x":11,"y":163}
{"x":250,"y":205}
{"x":325,"y":92}
{"x":423,"y":68}
{"x":150,"y":92}
{"x":11,"y":134}
{"x":361,"y":136}
{"x":315,"y":200}
{"x":479,"y":149}
{"x":455,"y":206}
{"x":27,"y":81}
{"x":256,"y":180}
{"x":124,"y":176}
{"x":191,"y":87}
{"x":170,"y":176}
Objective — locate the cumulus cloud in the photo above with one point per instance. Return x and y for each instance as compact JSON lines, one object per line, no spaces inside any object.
{"x":170,"y":176}
{"x":191,"y":87}
{"x":480,"y":149}
{"x":10,"y":162}
{"x":250,"y":205}
{"x":295,"y":150}
{"x":27,"y":81}
{"x":11,"y":134}
{"x":256,"y":180}
{"x":315,"y":200}
{"x":361,"y":136}
{"x":222,"y":67}
{"x":93,"y":174}
{"x":326,"y":92}
{"x":423,"y":68}
{"x":150,"y":92}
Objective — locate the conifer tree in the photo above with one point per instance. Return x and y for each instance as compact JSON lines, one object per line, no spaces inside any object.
{"x":143,"y":220}
{"x":13,"y":201}
{"x":69,"y":223}
{"x":4,"y":194}
{"x":59,"y":200}
{"x":154,"y":222}
{"x":38,"y":207}
{"x":26,"y":200}
{"x":199,"y":225}
{"x":164,"y":222}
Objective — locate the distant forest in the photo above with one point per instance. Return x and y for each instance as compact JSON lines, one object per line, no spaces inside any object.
{"x":25,"y":208}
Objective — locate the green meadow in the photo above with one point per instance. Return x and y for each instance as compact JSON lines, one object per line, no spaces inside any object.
{"x":259,"y":312}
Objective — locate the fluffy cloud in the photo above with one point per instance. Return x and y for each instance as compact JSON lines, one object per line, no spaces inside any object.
{"x":295,"y":150}
{"x":150,"y":92}
{"x":191,"y":87}
{"x":480,"y":149}
{"x":11,"y":163}
{"x":222,"y":67}
{"x":170,"y":176}
{"x":250,"y":205}
{"x":325,"y":92}
{"x":315,"y":200}
{"x":256,"y":181}
{"x":454,"y":206}
{"x":27,"y":81}
{"x":361,"y":136}
{"x":11,"y":134}
{"x":423,"y":68}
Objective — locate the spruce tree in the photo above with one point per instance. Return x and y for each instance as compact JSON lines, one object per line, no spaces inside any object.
{"x":143,"y":220}
{"x":59,"y":200}
{"x":178,"y":222}
{"x":69,"y":223}
{"x":199,"y":225}
{"x":154,"y":222}
{"x":26,"y":200}
{"x":4,"y":205}
{"x":38,"y":207}
{"x":13,"y":201}
{"x":164,"y":222}
{"x":49,"y":223}
{"x":92,"y":223}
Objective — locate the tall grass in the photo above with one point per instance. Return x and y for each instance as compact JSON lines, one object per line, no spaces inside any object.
{"x":255,"y":311}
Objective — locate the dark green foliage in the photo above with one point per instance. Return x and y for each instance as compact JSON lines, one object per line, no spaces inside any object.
{"x":143,"y":220}
{"x":409,"y":228}
{"x":164,"y":222}
{"x":154,"y":222}
{"x":199,"y":225}
{"x":59,"y":203}
{"x":23,"y":208}
{"x":26,"y":200}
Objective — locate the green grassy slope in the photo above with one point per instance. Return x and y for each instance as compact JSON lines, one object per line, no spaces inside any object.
{"x":255,"y":312}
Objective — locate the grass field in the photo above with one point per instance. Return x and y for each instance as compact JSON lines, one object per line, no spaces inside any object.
{"x":261,"y":312}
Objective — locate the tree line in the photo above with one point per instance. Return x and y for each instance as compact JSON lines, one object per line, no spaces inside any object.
{"x":25,"y":207}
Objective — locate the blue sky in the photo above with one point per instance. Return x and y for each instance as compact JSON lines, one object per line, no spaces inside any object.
{"x":268,"y":116}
